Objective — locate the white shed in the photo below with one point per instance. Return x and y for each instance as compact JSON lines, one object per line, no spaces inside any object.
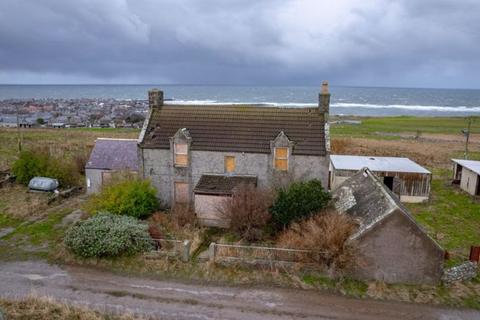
{"x":467,"y":174}
{"x":407,"y":179}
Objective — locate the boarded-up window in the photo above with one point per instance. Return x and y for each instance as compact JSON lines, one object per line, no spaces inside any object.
{"x":181,"y":154}
{"x":281,"y":159}
{"x":106,"y":177}
{"x":181,"y":192}
{"x":229,"y":164}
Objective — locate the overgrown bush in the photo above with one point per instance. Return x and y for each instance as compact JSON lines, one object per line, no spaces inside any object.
{"x":134,"y":197}
{"x":108,"y":235}
{"x":298,"y":201}
{"x":326,"y":233}
{"x":183,"y":215}
{"x":40,"y":163}
{"x":247,"y":211}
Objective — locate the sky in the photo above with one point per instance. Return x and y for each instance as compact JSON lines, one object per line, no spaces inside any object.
{"x":407,"y":43}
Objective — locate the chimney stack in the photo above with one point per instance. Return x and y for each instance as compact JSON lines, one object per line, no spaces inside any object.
{"x":324,"y":98}
{"x":155,"y":98}
{"x":324,"y":107}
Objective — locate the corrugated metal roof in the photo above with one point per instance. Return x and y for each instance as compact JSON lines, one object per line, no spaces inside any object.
{"x":390,"y":164}
{"x":239,"y":128}
{"x":114,"y":154}
{"x":469,"y":164}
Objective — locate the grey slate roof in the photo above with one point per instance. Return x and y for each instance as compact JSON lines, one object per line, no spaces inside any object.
{"x":221,"y":184}
{"x":237,"y":128}
{"x":114,"y":154}
{"x":366,"y":199}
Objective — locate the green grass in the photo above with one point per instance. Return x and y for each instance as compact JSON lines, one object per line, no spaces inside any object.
{"x":452,"y":216}
{"x":405,"y":124}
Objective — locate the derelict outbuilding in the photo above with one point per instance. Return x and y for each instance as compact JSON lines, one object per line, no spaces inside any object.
{"x":407,"y":179}
{"x":391,"y":245}
{"x":109,"y":156}
{"x":467,"y":174}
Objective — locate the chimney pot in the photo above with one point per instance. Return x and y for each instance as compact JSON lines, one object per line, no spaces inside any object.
{"x":324,"y":89}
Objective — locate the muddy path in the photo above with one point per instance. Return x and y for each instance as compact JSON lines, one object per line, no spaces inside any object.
{"x":173,"y":300}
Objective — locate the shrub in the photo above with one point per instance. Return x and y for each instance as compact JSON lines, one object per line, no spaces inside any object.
{"x":327,"y":233}
{"x":108,"y":235}
{"x":298,"y":201}
{"x":136,"y":198}
{"x":247,"y":211}
{"x":183,"y":215}
{"x":40,"y":163}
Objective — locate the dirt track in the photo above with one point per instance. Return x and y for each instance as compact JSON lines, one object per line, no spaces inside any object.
{"x":172,"y":300}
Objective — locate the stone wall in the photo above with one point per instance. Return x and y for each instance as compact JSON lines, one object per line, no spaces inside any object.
{"x":465,"y":271}
{"x":397,"y":251}
{"x":158,"y":166}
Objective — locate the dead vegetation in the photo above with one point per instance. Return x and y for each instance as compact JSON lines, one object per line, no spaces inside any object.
{"x":326,"y":233}
{"x":17,"y":202}
{"x":425,"y":152}
{"x":43,"y":308}
{"x":183,"y":216}
{"x":247,"y":211}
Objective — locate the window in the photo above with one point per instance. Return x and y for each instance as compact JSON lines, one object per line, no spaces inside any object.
{"x":281,"y":159}
{"x":106,"y":177}
{"x":181,"y":154}
{"x":229,"y":164}
{"x":181,"y":192}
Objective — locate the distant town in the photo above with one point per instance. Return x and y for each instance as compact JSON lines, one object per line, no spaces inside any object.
{"x":72,"y":113}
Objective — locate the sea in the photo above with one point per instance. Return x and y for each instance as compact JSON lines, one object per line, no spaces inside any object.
{"x":359,"y":101}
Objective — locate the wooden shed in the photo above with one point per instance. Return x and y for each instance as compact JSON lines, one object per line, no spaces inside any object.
{"x":407,"y":179}
{"x":466,"y":173}
{"x":210,"y":192}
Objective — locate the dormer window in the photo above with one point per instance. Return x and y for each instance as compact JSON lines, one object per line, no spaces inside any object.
{"x":181,"y":154}
{"x":281,"y":158}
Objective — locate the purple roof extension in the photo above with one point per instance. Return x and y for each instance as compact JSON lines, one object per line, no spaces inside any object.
{"x":114,"y":154}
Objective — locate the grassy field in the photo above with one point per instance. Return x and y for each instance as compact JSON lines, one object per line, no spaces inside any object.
{"x":452,"y":217}
{"x":59,"y":141}
{"x":405,"y":124}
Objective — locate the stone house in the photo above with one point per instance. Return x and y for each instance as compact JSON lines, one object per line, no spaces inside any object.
{"x":391,"y":245}
{"x":109,"y":156}
{"x":466,"y":173}
{"x":179,"y":144}
{"x":407,"y":179}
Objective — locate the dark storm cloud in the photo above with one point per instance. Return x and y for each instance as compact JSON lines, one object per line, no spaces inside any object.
{"x":381,"y":42}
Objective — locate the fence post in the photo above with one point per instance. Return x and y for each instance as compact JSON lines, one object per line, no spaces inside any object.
{"x":186,"y":250}
{"x":211,"y":252}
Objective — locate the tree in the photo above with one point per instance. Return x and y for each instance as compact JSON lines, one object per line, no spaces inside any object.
{"x":40,"y":121}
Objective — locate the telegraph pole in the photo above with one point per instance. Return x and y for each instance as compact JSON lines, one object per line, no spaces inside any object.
{"x":19,"y":134}
{"x":467,"y":136}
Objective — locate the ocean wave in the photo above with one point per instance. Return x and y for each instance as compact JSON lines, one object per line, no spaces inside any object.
{"x":258,"y":103}
{"x":407,"y":107}
{"x":333,"y":105}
